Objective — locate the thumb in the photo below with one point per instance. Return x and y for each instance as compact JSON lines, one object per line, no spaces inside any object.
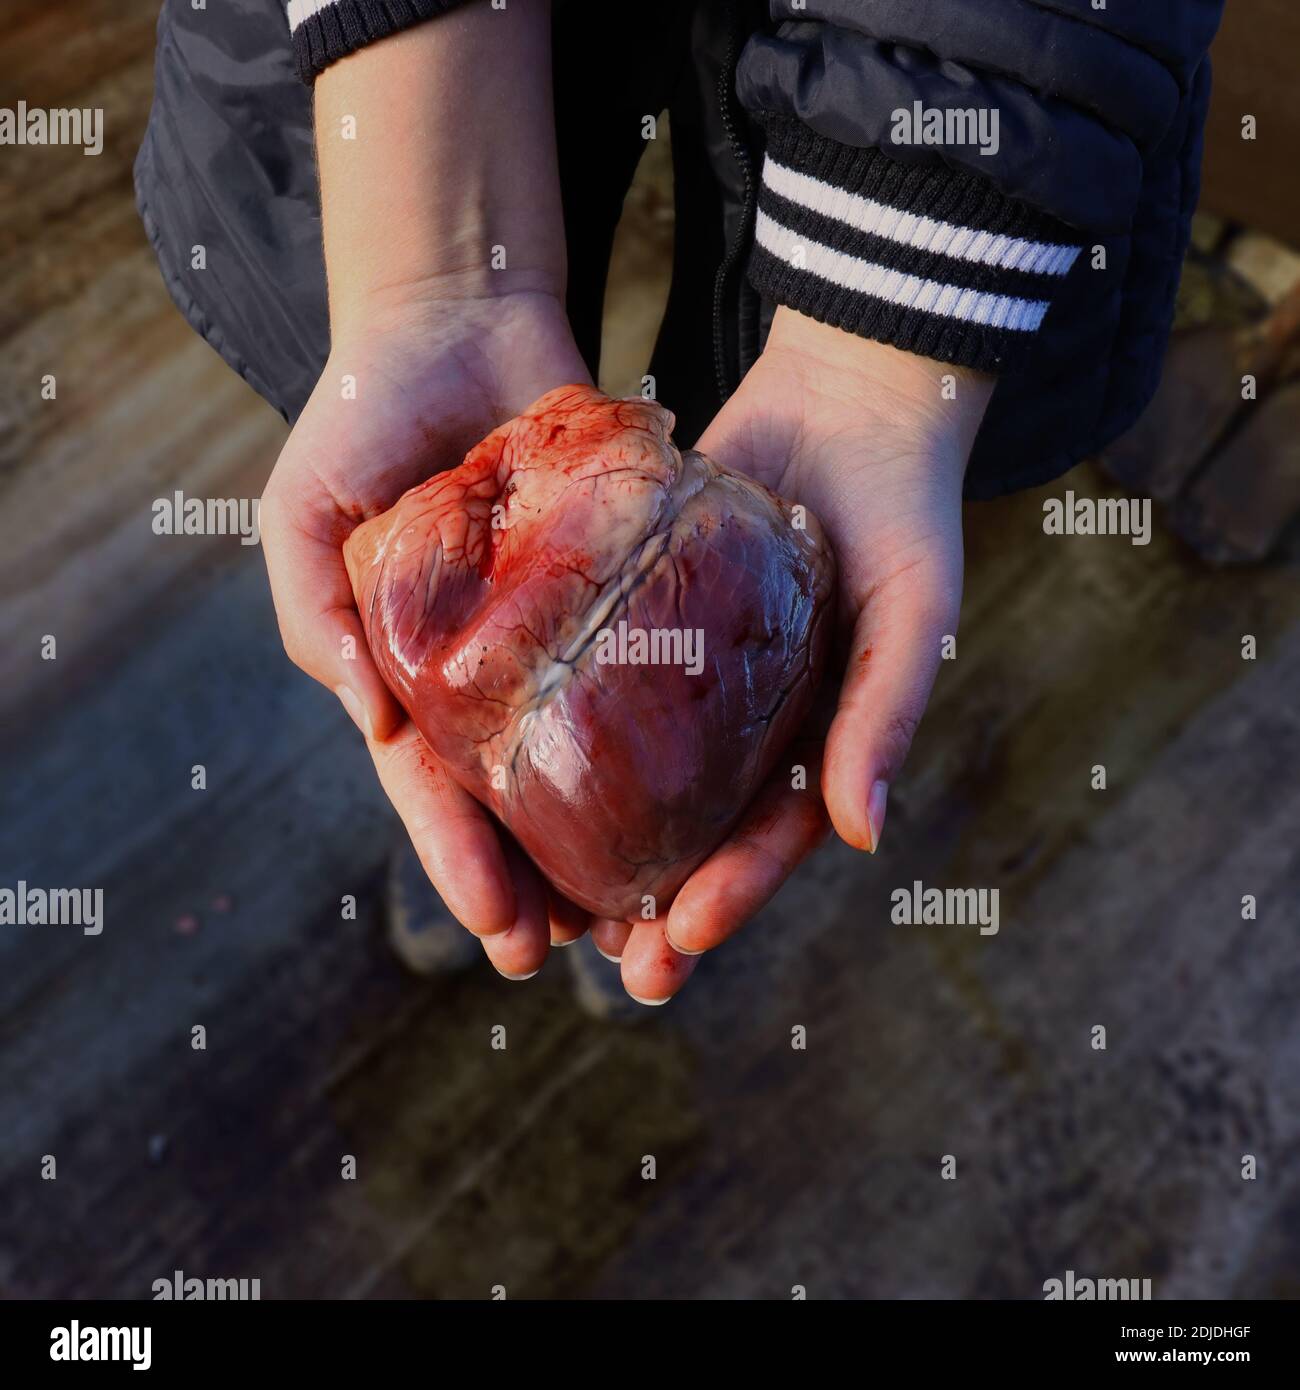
{"x":319,"y":622}
{"x":895,"y":652}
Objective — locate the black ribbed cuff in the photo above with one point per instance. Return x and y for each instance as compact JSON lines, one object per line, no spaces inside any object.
{"x":341,"y":27}
{"x":927,"y":258}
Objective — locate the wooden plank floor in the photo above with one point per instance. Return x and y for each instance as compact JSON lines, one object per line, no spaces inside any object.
{"x":523,"y":1167}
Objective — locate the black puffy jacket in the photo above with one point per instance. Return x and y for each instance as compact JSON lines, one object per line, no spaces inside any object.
{"x":1006,"y":184}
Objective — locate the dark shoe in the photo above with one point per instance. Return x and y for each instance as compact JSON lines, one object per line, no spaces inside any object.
{"x":424,"y":935}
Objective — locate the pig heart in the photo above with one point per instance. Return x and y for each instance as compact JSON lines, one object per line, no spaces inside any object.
{"x":608,"y":642}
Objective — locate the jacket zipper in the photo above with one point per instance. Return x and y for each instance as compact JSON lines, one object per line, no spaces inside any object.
{"x":734,"y":252}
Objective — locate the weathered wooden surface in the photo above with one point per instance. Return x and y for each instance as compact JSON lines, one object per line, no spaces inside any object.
{"x":143,"y":405}
{"x":477,"y":1167}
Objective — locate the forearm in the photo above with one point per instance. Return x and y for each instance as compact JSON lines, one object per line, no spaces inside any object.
{"x":436,"y":155}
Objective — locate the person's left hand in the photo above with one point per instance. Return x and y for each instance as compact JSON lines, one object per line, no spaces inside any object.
{"x":863,"y":435}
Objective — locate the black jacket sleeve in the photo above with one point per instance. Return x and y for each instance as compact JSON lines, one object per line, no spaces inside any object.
{"x":933,"y":168}
{"x":325,"y":30}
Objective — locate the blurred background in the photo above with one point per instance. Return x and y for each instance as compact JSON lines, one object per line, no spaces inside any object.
{"x":524,"y":1167}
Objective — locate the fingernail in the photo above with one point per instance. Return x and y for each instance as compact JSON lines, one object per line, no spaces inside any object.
{"x":649,"y":1003}
{"x":876,"y":814}
{"x":607,"y":955}
{"x":569,"y":942}
{"x":506,"y":975}
{"x":354,"y":707}
{"x":681,"y":950}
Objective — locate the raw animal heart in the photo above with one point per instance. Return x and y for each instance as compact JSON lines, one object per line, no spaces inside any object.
{"x":606,"y":641}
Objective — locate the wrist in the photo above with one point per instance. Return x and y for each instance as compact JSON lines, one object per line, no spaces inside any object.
{"x":508,"y":348}
{"x":424,"y":306}
{"x":428,"y":319}
{"x":936,"y":404}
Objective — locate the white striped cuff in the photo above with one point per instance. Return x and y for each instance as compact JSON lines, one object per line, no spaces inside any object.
{"x":933,"y":260}
{"x":323,"y":31}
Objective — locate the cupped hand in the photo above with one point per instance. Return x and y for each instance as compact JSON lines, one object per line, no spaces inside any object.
{"x":875,"y":443}
{"x":399,"y":400}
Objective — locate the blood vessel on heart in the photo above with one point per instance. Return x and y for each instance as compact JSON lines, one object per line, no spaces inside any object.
{"x":607,"y":641}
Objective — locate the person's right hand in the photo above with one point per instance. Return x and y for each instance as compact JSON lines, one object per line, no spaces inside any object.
{"x":430,"y":379}
{"x":443,"y":235}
